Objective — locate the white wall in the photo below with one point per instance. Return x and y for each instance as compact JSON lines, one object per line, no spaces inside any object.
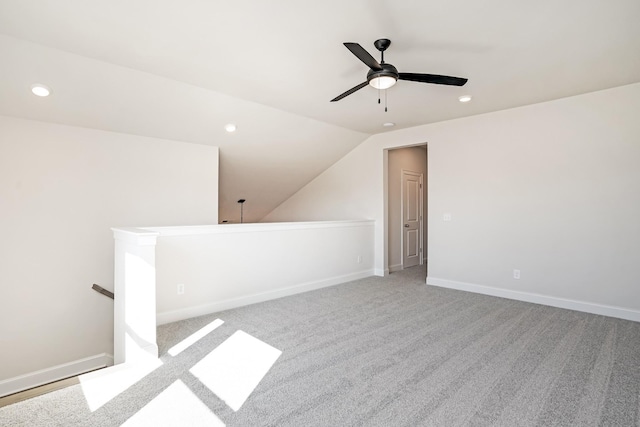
{"x":219,"y":267}
{"x":409,"y":159}
{"x":550,"y":189}
{"x":235,"y":265}
{"x":61,"y":189}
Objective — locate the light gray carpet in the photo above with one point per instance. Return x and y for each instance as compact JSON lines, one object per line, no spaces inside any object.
{"x":395,"y":352}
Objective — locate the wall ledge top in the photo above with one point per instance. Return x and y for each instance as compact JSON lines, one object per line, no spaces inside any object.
{"x":190,"y":230}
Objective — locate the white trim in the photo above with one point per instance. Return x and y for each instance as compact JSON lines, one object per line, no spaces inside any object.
{"x":394,"y":268}
{"x":136,"y":236}
{"x":380,"y":272}
{"x":55,"y":373}
{"x":200,"y":310}
{"x":134,"y":323}
{"x":587,"y":307}
{"x":251,"y":227}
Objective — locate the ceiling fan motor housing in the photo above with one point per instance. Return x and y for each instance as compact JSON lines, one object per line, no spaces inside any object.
{"x":388,"y":70}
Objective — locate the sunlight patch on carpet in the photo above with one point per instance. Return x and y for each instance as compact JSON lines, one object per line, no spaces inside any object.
{"x":193,"y":338}
{"x":175,"y":406}
{"x":99,"y":387}
{"x":235,"y":368}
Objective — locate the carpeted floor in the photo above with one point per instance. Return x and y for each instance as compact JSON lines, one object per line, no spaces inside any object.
{"x":388,"y":352}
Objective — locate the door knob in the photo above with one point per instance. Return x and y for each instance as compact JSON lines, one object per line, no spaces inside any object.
{"x":406,"y":225}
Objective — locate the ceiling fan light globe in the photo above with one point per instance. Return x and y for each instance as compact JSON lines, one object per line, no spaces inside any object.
{"x":383,"y":82}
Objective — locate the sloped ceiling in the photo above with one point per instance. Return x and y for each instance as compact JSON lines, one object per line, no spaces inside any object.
{"x":182,"y":70}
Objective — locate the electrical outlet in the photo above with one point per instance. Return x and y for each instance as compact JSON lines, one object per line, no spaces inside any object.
{"x":516,"y":274}
{"x":180,"y":288}
{"x":359,"y":259}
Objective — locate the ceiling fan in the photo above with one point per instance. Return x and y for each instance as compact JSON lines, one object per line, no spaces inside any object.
{"x":382,"y":75}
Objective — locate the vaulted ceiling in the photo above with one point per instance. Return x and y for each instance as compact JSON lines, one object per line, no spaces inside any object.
{"x":182,"y":70}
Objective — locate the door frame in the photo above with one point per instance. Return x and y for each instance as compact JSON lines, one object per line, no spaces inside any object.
{"x":383,"y":270}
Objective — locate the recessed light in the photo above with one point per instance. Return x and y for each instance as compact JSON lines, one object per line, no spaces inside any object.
{"x":230,"y":127}
{"x":464,"y":98}
{"x":40,"y":90}
{"x":388,"y":124}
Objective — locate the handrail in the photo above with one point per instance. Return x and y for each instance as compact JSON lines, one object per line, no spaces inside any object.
{"x":103,"y":291}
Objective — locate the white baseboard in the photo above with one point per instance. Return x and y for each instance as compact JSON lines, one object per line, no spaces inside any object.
{"x":394,"y":268}
{"x":55,"y":373}
{"x":201,"y":310}
{"x":380,"y":272}
{"x":587,"y":307}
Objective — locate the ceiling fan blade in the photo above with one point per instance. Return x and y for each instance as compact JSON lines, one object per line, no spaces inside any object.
{"x":433,"y":78}
{"x":350,"y":91}
{"x":363,"y":56}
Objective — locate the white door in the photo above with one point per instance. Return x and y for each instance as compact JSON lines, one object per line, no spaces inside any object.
{"x":411,"y":218}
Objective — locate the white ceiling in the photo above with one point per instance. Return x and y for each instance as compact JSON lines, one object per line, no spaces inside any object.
{"x":181,"y":70}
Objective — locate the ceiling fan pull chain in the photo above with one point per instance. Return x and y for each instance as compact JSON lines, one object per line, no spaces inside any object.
{"x":385,"y":101}
{"x":378,"y":95}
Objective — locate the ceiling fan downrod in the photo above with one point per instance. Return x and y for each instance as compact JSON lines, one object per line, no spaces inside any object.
{"x":382,"y":45}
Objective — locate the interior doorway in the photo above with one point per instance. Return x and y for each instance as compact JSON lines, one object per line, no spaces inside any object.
{"x":406,"y":196}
